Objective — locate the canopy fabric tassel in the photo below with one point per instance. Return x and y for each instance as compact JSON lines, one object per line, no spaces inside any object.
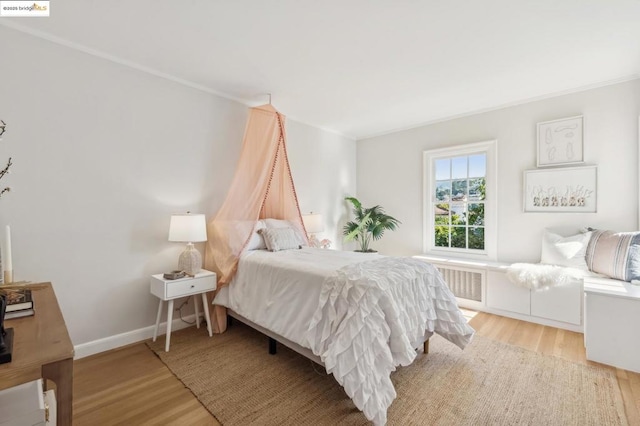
{"x":262,"y":187}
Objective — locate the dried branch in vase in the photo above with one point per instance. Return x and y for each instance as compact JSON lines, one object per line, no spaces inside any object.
{"x":4,"y":172}
{"x":3,"y":128}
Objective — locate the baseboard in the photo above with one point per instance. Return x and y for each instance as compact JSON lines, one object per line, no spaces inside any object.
{"x":107,"y":343}
{"x":533,"y":319}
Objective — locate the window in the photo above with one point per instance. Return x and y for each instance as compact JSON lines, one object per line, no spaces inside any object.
{"x":460,"y":199}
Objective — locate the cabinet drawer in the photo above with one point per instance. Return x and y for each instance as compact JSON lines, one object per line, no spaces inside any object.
{"x":503,"y":294}
{"x":191,"y":286}
{"x":562,"y":303}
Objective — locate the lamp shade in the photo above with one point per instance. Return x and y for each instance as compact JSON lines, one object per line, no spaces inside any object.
{"x":188,"y":228}
{"x":313,"y":222}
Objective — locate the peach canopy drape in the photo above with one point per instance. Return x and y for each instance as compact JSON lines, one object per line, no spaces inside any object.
{"x":262,"y":187}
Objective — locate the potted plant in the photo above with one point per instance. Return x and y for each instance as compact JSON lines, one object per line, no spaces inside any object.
{"x":369,"y":224}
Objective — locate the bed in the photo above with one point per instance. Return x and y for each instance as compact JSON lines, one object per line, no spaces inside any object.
{"x":360,"y":315}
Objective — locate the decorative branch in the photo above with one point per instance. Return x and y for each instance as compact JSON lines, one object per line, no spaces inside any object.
{"x":4,"y":171}
{"x":6,"y":168}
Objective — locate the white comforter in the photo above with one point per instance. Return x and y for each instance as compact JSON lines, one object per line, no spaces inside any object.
{"x":370,"y":318}
{"x":362,"y":314}
{"x":280,"y":290}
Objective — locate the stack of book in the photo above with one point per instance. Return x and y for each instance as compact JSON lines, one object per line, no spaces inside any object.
{"x":19,"y":302}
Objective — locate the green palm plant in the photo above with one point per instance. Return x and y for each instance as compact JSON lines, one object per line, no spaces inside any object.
{"x":369,"y":224}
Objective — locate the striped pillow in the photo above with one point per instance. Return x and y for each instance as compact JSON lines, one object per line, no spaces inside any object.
{"x":615,"y":254}
{"x":278,"y":239}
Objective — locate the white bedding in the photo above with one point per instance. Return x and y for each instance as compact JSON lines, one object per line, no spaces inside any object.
{"x":362,"y":314}
{"x":280,"y":290}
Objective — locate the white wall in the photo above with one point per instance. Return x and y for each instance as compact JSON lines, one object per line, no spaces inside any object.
{"x":103,"y":155}
{"x":323,"y":168}
{"x":389,"y":167}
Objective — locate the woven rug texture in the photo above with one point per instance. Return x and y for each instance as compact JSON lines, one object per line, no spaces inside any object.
{"x":489,"y":383}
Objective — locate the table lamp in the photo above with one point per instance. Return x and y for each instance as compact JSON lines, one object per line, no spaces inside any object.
{"x":188,"y":228}
{"x":313,"y":223}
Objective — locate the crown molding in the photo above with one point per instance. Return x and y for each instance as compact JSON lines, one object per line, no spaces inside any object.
{"x":148,"y":70}
{"x":116,"y":59}
{"x":8,"y":23}
{"x":505,"y":105}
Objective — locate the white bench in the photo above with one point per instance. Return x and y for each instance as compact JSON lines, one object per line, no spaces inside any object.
{"x":559,"y":307}
{"x":612,"y":322}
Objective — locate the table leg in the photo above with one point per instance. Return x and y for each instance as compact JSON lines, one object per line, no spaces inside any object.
{"x":155,"y":332}
{"x":61,"y":373}
{"x":195,"y":305}
{"x":169,"y":320}
{"x":205,"y":307}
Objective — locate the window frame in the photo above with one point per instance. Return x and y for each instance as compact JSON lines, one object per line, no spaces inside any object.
{"x":490,"y":149}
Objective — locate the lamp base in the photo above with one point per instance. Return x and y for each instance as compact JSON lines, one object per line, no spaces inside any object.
{"x":313,"y":241}
{"x":190,"y":260}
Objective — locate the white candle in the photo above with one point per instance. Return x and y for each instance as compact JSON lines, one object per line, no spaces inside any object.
{"x":7,"y":261}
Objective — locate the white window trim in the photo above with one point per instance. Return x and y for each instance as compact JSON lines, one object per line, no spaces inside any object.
{"x":490,"y":251}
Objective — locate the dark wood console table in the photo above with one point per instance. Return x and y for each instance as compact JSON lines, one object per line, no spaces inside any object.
{"x":42,"y":349}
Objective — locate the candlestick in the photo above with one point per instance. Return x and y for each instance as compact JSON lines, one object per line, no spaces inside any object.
{"x":7,"y":261}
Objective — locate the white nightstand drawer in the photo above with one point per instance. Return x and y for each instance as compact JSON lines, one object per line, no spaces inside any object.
{"x":171,"y":289}
{"x":192,"y":286}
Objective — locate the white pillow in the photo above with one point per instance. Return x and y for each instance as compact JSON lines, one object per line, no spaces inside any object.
{"x":565,"y":251}
{"x":280,"y":238}
{"x":257,"y":241}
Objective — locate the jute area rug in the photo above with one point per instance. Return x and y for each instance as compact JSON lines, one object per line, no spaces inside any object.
{"x":489,"y":383}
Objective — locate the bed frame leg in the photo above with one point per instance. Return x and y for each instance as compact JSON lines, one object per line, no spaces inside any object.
{"x":426,"y":346}
{"x":273,"y":349}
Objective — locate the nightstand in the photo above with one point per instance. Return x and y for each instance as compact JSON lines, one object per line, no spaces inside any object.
{"x":168,"y":290}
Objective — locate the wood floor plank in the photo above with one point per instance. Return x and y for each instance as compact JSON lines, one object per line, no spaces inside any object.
{"x":526,"y":335}
{"x":547,"y":341}
{"x":634,"y":384}
{"x":630,"y":404}
{"x":130,"y":385}
{"x":503,"y":330}
{"x":484,"y":322}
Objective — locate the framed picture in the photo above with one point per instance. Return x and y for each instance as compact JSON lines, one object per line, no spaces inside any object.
{"x":561,"y":142}
{"x":567,"y":189}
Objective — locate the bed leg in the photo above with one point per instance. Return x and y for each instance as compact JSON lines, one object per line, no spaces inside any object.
{"x":426,"y":346}
{"x":272,"y":346}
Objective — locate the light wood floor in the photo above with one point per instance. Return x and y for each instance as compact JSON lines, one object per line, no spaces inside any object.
{"x":131,"y":385}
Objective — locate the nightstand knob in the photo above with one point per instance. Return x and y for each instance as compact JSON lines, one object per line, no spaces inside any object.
{"x":192,"y":286}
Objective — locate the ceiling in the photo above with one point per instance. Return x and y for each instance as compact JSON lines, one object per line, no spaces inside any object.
{"x":362,"y":67}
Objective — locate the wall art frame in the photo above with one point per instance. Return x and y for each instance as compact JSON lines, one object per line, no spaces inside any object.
{"x":560,"y":142}
{"x":561,"y":190}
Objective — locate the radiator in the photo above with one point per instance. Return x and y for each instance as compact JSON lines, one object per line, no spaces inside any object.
{"x":464,"y":284}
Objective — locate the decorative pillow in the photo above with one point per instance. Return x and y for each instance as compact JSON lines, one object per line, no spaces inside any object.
{"x":283,"y":223}
{"x":565,"y":251}
{"x":615,"y":254}
{"x":257,"y":241}
{"x":280,"y":238}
